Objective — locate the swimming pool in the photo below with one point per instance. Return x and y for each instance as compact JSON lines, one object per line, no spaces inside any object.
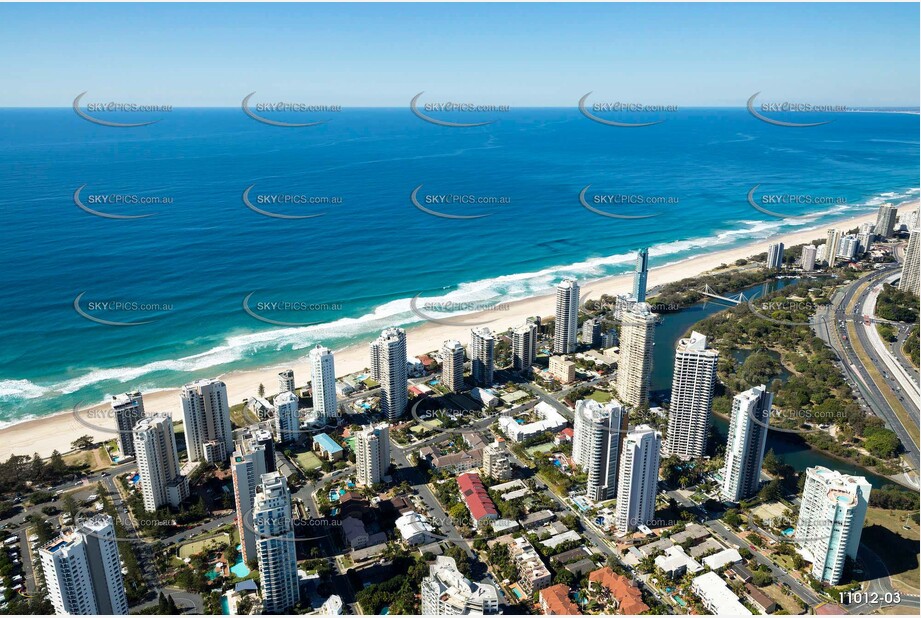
{"x":225,"y":606}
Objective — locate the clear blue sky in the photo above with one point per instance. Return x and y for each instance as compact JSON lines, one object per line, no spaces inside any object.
{"x":513,"y":54}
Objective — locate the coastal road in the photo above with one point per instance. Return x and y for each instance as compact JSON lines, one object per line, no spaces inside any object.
{"x":827,"y":324}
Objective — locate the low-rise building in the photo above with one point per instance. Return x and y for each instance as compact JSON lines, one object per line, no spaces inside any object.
{"x":415,"y":529}
{"x":558,"y":539}
{"x":549,"y":420}
{"x":716,"y":596}
{"x":537,"y":519}
{"x":675,"y":562}
{"x":445,"y":591}
{"x":475,"y":496}
{"x":554,"y":601}
{"x":761,"y":601}
{"x":626,"y":596}
{"x":327,"y":447}
{"x":721,"y":559}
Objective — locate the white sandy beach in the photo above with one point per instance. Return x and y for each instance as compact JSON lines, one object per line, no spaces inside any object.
{"x":46,"y":434}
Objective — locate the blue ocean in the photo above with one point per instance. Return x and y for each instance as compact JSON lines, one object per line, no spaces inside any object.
{"x":179,"y":276}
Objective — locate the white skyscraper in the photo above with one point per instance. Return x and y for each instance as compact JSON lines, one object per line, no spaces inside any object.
{"x":524,"y":347}
{"x":446,"y":592}
{"x":323,"y":379}
{"x":591,"y":333}
{"x":248,"y":463}
{"x":910,"y":268}
{"x":274,"y":526}
{"x":692,"y":397}
{"x":128,"y":409}
{"x":452,"y":365}
{"x":848,"y":246}
{"x":775,"y":256}
{"x":82,"y":570}
{"x":748,"y":429}
{"x":567,"y":317}
{"x":833,"y":240}
{"x":286,"y":381}
{"x":598,"y":434}
{"x":831,"y":517}
{"x":482,"y":356}
{"x":885,"y":220}
{"x":287,"y":418}
{"x":374,"y":351}
{"x":158,"y":463}
{"x":637,"y":329}
{"x":372,"y":453}
{"x":391,"y":359}
{"x":809,"y":257}
{"x":639,"y":477}
{"x":206,"y":419}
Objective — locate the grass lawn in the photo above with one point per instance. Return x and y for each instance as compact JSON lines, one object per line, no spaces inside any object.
{"x":308,"y":460}
{"x":884,"y":533}
{"x":198,"y":546}
{"x":786,"y":601}
{"x":600,"y":396}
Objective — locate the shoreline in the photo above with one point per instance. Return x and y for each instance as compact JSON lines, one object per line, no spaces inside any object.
{"x":56,"y":431}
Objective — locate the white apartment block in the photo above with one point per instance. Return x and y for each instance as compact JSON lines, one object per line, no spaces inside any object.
{"x":692,"y":397}
{"x":158,"y":463}
{"x":496,"y":462}
{"x":567,"y":317}
{"x":82,"y":570}
{"x":748,"y":429}
{"x":637,"y":331}
{"x":206,"y":418}
{"x":639,"y":477}
{"x":391,"y":359}
{"x":524,"y":347}
{"x":452,"y":365}
{"x":287,"y":417}
{"x":372,"y":454}
{"x":286,"y":381}
{"x":482,"y":356}
{"x":830,"y":522}
{"x":128,"y":409}
{"x":775,"y":256}
{"x":247,"y":465}
{"x":910,"y":279}
{"x":598,"y":434}
{"x":323,"y":382}
{"x":274,"y":528}
{"x":809,"y":256}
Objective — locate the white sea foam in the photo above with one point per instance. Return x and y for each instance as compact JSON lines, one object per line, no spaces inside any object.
{"x":504,"y":288}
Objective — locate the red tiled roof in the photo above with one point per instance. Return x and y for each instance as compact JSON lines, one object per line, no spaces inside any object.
{"x":567,"y":432}
{"x":629,"y":598}
{"x":476,"y":497}
{"x":556,"y":599}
